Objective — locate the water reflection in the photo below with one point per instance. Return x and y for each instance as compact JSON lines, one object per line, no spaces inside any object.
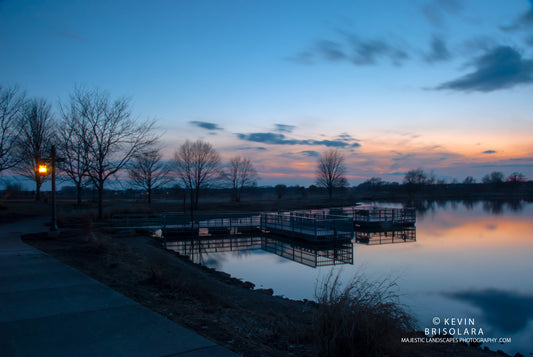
{"x":506,"y":311}
{"x":202,"y":250}
{"x":496,"y":207}
{"x":198,"y":249}
{"x":310,"y":255}
{"x":386,"y":237}
{"x":467,"y":259}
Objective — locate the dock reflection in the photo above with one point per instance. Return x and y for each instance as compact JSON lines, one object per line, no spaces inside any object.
{"x":313,"y":255}
{"x":310,"y":255}
{"x":199,"y":248}
{"x":406,"y":235}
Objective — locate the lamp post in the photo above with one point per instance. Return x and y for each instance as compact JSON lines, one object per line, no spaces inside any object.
{"x":43,"y":170}
{"x":53,"y":226}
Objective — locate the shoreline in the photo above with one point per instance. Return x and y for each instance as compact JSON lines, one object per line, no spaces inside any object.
{"x":219,"y":307}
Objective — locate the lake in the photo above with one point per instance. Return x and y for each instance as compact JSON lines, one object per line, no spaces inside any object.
{"x":468,"y":266}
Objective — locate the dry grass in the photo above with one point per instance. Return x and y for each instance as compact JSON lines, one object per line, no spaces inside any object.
{"x":362,"y":318}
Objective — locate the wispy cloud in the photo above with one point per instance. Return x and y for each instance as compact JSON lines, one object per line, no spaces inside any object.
{"x":280,"y":139}
{"x":331,"y":50}
{"x":402,"y":157}
{"x":489,"y":152}
{"x":438,"y":51}
{"x":311,"y":153}
{"x":259,"y":148}
{"x":371,"y":51}
{"x":346,"y":137}
{"x":522,"y":22}
{"x":284,"y":128}
{"x":500,"y":68}
{"x":350,"y":48}
{"x":206,"y":125}
{"x":522,"y":159}
{"x":437,"y":10}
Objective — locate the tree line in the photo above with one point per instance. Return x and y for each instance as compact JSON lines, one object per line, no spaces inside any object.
{"x":97,"y":136}
{"x":420,"y":177}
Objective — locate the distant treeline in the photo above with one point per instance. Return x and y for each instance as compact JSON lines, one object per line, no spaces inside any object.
{"x":369,"y":190}
{"x":500,"y":190}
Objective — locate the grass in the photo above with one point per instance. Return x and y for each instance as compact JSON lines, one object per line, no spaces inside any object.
{"x":361,"y":318}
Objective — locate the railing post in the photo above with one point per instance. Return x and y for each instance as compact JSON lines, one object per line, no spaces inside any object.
{"x":291,"y":220}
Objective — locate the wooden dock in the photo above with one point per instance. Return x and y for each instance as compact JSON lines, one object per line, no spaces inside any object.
{"x":384,"y":217}
{"x":326,"y":225}
{"x":364,"y":217}
{"x":378,"y":217}
{"x":310,"y":227}
{"x":178,"y":225}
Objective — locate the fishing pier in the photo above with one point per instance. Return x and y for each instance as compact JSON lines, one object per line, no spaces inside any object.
{"x":315,"y":226}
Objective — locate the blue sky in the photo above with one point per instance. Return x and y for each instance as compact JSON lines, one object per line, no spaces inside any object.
{"x":445,"y":85}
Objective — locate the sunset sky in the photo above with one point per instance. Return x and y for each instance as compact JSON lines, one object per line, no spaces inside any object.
{"x":445,"y":85}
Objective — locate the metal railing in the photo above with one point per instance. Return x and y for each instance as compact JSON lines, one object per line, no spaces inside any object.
{"x":309,"y":226}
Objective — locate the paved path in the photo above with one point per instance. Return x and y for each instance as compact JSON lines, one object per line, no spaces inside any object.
{"x":48,"y":308}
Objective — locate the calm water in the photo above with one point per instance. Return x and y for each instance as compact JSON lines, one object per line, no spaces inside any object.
{"x":470,"y":261}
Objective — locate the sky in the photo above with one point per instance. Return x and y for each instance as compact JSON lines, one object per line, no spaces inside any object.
{"x":442,"y":85}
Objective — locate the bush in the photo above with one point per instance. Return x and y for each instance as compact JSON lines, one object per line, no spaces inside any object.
{"x":361,"y":319}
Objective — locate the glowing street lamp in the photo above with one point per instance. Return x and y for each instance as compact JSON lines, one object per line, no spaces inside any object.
{"x":42,"y":169}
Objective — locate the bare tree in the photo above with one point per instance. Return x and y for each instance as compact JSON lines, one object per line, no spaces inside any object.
{"x":148,"y":172}
{"x":113,"y":136}
{"x":495,"y":177}
{"x":73,"y":145}
{"x":415,"y":177}
{"x":516,"y":177}
{"x":331,"y":171}
{"x":11,"y":109}
{"x":35,"y":140}
{"x":469,"y":180}
{"x":197,"y":165}
{"x":241,"y":173}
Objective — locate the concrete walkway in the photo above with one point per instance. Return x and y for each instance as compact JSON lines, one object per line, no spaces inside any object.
{"x":50,"y":309}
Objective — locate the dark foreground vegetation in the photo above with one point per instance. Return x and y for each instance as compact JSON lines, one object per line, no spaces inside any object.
{"x":362,"y":318}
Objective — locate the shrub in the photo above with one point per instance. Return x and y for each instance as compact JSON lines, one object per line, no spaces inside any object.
{"x":363,"y":318}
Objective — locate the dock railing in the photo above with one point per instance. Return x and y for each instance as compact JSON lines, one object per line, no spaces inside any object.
{"x":368,"y":215}
{"x":231,"y":222}
{"x":395,"y":216}
{"x":315,"y":227}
